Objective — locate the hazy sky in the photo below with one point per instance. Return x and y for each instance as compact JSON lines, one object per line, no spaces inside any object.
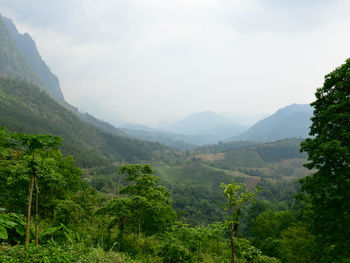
{"x":144,"y":60}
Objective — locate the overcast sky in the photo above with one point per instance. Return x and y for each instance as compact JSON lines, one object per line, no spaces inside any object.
{"x":144,"y":60}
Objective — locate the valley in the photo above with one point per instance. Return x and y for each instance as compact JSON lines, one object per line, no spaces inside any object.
{"x":141,"y":194}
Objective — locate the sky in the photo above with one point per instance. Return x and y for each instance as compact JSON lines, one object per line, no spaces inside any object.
{"x":149,"y":60}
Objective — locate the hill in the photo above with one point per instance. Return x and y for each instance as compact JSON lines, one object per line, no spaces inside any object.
{"x":25,"y":108}
{"x":279,"y":160}
{"x":292,"y":121}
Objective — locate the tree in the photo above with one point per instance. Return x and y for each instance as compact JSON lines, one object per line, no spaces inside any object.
{"x":24,"y":156}
{"x":237,"y":198}
{"x":34,"y":145}
{"x":145,"y":205}
{"x":328,"y":188}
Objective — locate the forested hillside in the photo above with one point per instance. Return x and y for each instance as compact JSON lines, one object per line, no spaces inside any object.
{"x":292,"y":121}
{"x":24,"y":108}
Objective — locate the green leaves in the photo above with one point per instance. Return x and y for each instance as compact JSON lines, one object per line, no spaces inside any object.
{"x":3,"y":233}
{"x":35,"y":142}
{"x":11,"y":221}
{"x":237,"y":197}
{"x":329,"y":152}
{"x":145,"y":205}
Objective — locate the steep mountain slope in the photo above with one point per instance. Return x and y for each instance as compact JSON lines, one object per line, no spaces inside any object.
{"x":27,"y":47}
{"x":12,"y":62}
{"x":19,"y":58}
{"x":292,"y":121}
{"x":24,"y":108}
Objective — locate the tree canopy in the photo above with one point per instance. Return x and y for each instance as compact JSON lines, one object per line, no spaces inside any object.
{"x":328,"y":188}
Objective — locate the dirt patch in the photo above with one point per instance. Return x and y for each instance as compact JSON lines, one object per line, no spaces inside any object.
{"x":211,"y":157}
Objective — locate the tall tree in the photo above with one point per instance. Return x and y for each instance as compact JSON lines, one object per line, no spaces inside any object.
{"x":34,"y":144}
{"x":29,"y":149}
{"x":328,"y":188}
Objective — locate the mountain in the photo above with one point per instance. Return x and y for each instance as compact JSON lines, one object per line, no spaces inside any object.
{"x":19,"y":58}
{"x":197,"y":129}
{"x":292,"y":121}
{"x":27,"y":47}
{"x":12,"y":62}
{"x":205,"y":122}
{"x":205,"y":128}
{"x":180,"y":141}
{"x":25,"y":108}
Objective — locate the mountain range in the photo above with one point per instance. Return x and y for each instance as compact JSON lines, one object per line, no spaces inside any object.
{"x":19,"y":58}
{"x":208,"y":127}
{"x":28,"y":105}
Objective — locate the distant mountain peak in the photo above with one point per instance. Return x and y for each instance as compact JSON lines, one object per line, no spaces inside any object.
{"x":295,"y":108}
{"x":292,"y":121}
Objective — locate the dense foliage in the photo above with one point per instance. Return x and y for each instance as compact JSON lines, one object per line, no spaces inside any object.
{"x":140,"y":222}
{"x":328,"y":188}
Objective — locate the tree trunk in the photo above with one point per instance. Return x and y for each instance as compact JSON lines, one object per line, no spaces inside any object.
{"x":233,"y":247}
{"x":118,"y":184}
{"x":139,"y":222}
{"x":36,"y":212}
{"x":30,"y":195}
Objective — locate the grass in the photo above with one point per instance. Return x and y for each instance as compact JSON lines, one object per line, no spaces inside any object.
{"x":59,"y":254}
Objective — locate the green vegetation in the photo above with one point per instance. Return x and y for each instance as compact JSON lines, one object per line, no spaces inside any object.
{"x":292,"y":121}
{"x":237,"y":198}
{"x":328,"y":188}
{"x":24,"y":108}
{"x":139,"y":223}
{"x":79,"y":216}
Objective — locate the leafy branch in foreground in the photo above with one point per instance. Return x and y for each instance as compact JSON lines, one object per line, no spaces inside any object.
{"x":237,"y":198}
